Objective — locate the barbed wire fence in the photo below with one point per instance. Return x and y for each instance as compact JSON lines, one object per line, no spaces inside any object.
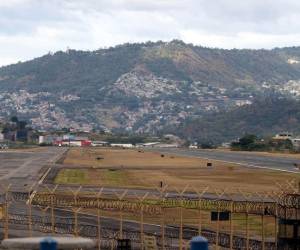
{"x":168,"y":216}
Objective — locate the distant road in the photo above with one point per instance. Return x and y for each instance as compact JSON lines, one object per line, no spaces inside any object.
{"x":281,"y":163}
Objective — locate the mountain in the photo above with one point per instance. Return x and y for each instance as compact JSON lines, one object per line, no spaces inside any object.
{"x":143,"y":87}
{"x":265,"y":117}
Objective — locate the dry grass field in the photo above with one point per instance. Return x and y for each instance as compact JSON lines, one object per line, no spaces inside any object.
{"x":128,"y":158}
{"x":135,"y":168}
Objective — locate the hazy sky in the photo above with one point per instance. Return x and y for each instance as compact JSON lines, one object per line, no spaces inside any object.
{"x":30,"y":28}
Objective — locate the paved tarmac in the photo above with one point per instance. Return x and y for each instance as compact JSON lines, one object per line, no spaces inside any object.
{"x":246,"y":159}
{"x":22,"y":169}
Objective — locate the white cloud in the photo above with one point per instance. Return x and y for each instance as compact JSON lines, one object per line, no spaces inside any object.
{"x":240,"y":40}
{"x":30,"y":28}
{"x":12,"y":3}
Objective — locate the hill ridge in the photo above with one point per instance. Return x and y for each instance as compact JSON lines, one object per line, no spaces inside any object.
{"x":143,"y":87}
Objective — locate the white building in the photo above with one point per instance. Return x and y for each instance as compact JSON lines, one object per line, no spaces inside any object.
{"x":122,"y":145}
{"x":99,"y":143}
{"x":166,"y":145}
{"x":193,"y":145}
{"x":41,"y":139}
{"x":296,"y":142}
{"x":47,"y":139}
{"x":147,"y":144}
{"x":75,"y":143}
{"x":1,"y":137}
{"x":283,"y":136}
{"x":288,"y":136}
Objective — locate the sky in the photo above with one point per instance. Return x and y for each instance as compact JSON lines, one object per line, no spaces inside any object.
{"x":31,"y":28}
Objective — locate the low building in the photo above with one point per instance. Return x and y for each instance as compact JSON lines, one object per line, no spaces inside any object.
{"x":48,"y":139}
{"x":86,"y":143}
{"x":283,"y":136}
{"x":296,"y":143}
{"x":122,"y":145}
{"x":99,"y":143}
{"x":193,"y":145}
{"x":166,"y":145}
{"x":226,"y":145}
{"x":288,"y":136}
{"x":73,"y":143}
{"x":41,"y":139}
{"x":147,"y":144}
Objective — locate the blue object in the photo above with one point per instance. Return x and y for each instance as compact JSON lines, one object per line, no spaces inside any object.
{"x":48,"y":244}
{"x":199,"y":243}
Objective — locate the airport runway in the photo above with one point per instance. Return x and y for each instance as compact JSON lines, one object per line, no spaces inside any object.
{"x":22,"y":169}
{"x":246,"y":159}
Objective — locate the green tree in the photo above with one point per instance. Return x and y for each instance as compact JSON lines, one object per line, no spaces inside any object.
{"x":14,"y":119}
{"x":247,"y":140}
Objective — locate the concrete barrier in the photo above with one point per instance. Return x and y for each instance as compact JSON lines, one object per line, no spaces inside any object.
{"x":48,"y":243}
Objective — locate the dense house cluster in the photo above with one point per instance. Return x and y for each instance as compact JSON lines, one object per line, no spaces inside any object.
{"x":16,"y":132}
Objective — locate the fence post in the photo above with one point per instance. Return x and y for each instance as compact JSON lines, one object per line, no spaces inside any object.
{"x":48,"y":244}
{"x":199,"y":243}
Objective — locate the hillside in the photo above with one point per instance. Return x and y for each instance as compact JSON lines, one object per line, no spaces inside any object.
{"x":264,"y":117}
{"x":143,"y":87}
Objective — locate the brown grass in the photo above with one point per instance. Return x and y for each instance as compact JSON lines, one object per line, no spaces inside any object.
{"x":113,"y":157}
{"x":130,"y":168}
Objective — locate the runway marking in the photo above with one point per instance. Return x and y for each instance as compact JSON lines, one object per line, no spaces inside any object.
{"x":58,"y":156}
{"x":17,"y":170}
{"x":44,"y":176}
{"x":15,"y":151}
